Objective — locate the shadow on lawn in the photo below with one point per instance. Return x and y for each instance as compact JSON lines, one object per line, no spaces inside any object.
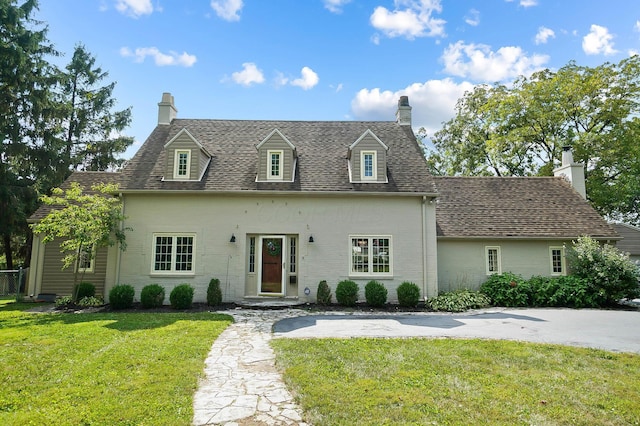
{"x":121,"y":321}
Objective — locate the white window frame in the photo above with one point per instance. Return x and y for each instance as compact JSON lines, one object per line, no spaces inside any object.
{"x":374,"y":165}
{"x":174,"y":256}
{"x":92,"y":262}
{"x":487,"y":249}
{"x":176,"y":164}
{"x":280,"y":174}
{"x":370,"y":256}
{"x":563,"y":263}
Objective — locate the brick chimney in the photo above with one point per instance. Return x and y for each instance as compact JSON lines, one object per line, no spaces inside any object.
{"x":573,"y":172}
{"x":403,"y":114}
{"x":166,"y":109}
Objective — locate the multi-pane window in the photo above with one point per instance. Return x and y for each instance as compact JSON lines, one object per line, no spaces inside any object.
{"x":274,"y":164}
{"x":173,"y":253}
{"x":371,"y":255}
{"x":181,"y":169}
{"x":85,"y":259}
{"x":557,"y":260}
{"x":493,"y":262}
{"x":252,"y":254}
{"x":292,"y":255}
{"x":368,"y":164}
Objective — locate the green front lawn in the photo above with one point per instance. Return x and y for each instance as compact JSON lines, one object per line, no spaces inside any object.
{"x":452,"y":382}
{"x":102,"y":369}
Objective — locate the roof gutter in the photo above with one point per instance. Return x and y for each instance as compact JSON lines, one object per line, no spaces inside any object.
{"x":253,"y":193}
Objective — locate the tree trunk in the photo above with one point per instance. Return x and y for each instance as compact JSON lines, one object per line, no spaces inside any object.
{"x":6,"y":241}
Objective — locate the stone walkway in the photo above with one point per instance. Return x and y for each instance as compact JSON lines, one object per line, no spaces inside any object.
{"x":241,"y":384}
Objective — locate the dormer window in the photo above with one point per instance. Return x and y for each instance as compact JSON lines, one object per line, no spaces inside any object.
{"x":369,"y":169}
{"x":182,"y":164}
{"x":274,"y":166}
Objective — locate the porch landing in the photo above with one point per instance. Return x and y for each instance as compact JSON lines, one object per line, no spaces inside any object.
{"x":269,"y":302}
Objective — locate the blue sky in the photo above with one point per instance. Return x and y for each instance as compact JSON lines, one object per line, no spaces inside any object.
{"x":330,"y":59}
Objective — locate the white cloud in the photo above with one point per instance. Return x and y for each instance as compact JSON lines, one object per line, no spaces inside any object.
{"x":249,"y":75}
{"x":544,"y":34}
{"x":409,"y":19}
{"x":307,"y":80}
{"x":637,"y":26}
{"x":472,"y":18}
{"x":599,"y":40}
{"x":161,"y":59}
{"x":134,"y":8}
{"x":227,"y":9}
{"x":478,"y":62}
{"x":433,"y":103}
{"x":528,"y":3}
{"x":335,"y":6}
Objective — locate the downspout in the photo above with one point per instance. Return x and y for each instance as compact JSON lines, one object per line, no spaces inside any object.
{"x":119,"y":253}
{"x":424,"y":247}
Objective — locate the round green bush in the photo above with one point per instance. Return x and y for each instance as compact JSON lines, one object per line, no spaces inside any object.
{"x":181,"y":296}
{"x":324,"y":294}
{"x":121,"y":296}
{"x":458,"y":301}
{"x":347,"y":293}
{"x":82,"y":290}
{"x":152,"y":296}
{"x":375,"y":294}
{"x":508,"y":290}
{"x":408,"y":294}
{"x":214,"y":293}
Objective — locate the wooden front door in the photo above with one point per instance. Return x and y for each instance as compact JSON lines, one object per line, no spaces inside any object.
{"x":271,"y":270}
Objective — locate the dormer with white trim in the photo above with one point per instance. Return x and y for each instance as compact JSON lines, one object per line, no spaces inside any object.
{"x":186,"y":158}
{"x":277,"y":159}
{"x":367,"y":159}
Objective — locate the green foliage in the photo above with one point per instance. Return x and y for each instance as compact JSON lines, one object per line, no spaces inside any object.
{"x":90,"y":301}
{"x":84,"y":289}
{"x":214,"y":293}
{"x":375,"y":294}
{"x":181,"y":296}
{"x":568,"y":292}
{"x":408,"y":294}
{"x":519,"y":130}
{"x":610,"y":272}
{"x":347,"y":293}
{"x":458,"y":301}
{"x":152,"y":296}
{"x":63,"y":301}
{"x":121,"y":296}
{"x":507,"y":289}
{"x":323,"y":296}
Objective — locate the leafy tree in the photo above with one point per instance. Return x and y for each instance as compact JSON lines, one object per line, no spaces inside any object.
{"x":520,"y":131}
{"x":92,"y":131}
{"x":85,"y":222}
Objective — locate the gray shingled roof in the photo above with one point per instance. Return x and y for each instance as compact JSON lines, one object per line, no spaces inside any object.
{"x":515,"y":207}
{"x":86,"y":181}
{"x":321,"y":147}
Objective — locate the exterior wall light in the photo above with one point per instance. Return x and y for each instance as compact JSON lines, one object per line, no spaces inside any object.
{"x":233,"y":238}
{"x":310,"y":238}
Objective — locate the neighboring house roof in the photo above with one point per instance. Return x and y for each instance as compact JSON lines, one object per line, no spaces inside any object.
{"x":630,"y":242}
{"x":86,"y":181}
{"x":515,"y":207}
{"x":321,"y":148}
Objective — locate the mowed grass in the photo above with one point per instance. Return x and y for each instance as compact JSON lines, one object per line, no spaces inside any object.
{"x":102,"y":369}
{"x":459,"y":382}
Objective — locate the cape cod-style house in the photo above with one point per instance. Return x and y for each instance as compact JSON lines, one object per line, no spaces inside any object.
{"x":271,"y":208}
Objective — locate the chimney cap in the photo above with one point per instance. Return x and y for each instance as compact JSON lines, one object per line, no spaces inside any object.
{"x":403,"y":101}
{"x":566,"y":148}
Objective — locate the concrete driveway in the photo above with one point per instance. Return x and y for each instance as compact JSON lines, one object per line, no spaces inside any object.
{"x":610,"y":330}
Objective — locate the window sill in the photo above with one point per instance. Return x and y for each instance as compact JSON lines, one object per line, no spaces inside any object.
{"x":371,"y":277}
{"x":172,"y":274}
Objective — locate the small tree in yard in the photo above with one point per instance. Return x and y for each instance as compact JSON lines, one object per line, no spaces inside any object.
{"x":85,"y":222}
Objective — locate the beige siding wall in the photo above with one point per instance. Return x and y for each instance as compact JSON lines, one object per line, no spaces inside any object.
{"x":58,"y":281}
{"x":369,"y":144}
{"x":184,"y":142}
{"x":213,"y":219}
{"x":278,"y":144}
{"x":461,"y":264}
{"x":630,"y":242}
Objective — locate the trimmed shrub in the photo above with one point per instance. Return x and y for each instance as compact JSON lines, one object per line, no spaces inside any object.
{"x":408,"y":295}
{"x":323,"y":296}
{"x":82,"y":290}
{"x":121,"y":296}
{"x":181,"y":296}
{"x":610,"y":273}
{"x":347,"y":293}
{"x":507,"y":290}
{"x":458,"y":301}
{"x":152,"y":296}
{"x":90,"y":301}
{"x":214,"y":293}
{"x":375,"y":294}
